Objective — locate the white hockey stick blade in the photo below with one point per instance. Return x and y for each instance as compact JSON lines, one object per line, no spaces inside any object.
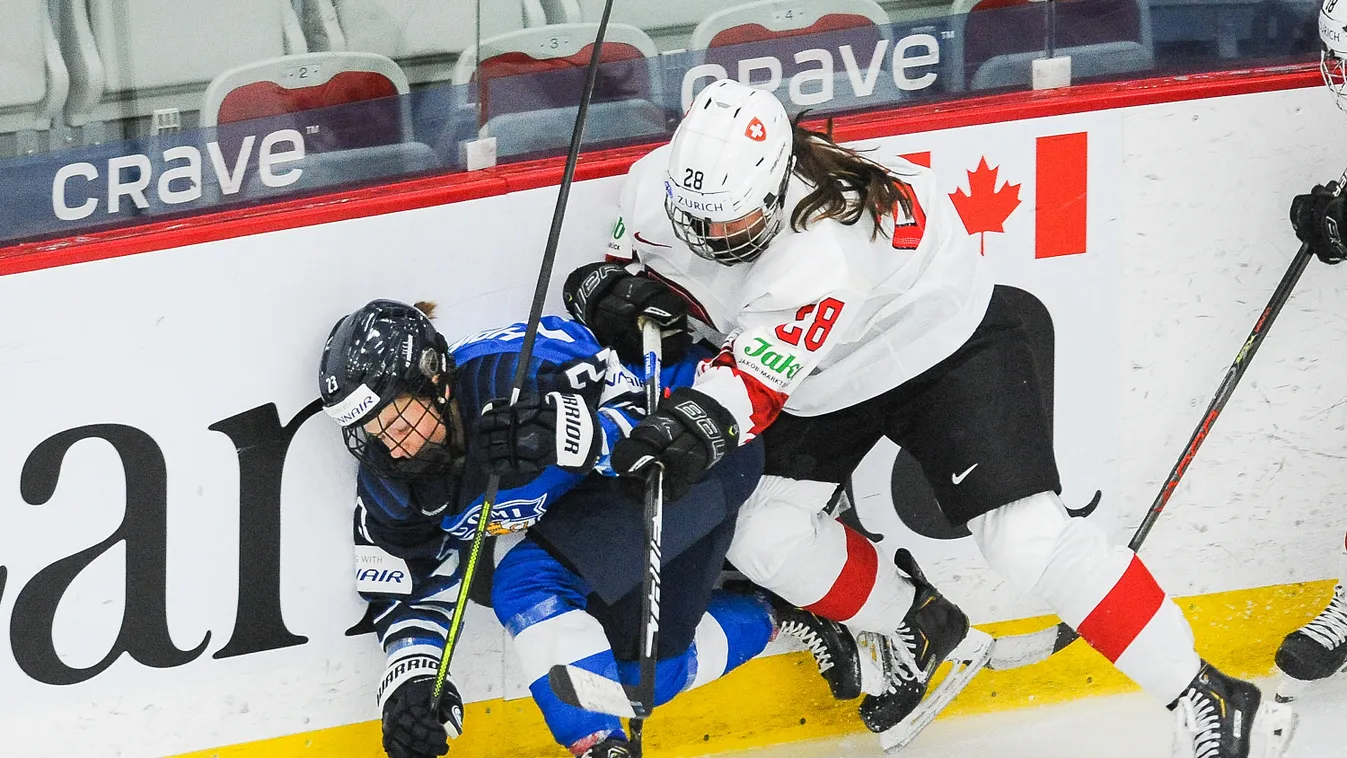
{"x":1016,"y":650}
{"x":1273,"y":726}
{"x":966,"y":660}
{"x":591,"y":691}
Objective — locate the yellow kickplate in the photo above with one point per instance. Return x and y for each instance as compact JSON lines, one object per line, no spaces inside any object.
{"x":782,"y":698}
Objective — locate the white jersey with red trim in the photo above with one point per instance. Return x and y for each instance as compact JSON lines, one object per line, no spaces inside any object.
{"x":827,"y":317}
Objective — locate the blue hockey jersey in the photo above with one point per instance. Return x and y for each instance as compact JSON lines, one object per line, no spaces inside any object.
{"x":409,"y":535}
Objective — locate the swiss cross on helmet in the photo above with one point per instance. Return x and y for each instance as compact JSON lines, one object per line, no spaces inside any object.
{"x":1333,"y":56}
{"x":729,"y":165}
{"x":384,"y":377}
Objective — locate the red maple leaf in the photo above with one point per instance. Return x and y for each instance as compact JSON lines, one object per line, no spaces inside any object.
{"x":985,"y":208}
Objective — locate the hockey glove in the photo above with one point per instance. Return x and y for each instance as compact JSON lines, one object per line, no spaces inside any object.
{"x":537,"y":432}
{"x":1318,"y":218}
{"x":410,"y":729}
{"x":689,"y":434}
{"x":608,"y":299}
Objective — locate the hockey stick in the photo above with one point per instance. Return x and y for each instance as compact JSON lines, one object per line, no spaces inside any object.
{"x":595,"y":692}
{"x":1023,"y":649}
{"x":654,"y":528}
{"x":525,"y":357}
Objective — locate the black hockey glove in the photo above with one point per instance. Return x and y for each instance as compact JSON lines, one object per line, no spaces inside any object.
{"x":608,"y":299}
{"x":689,"y":434}
{"x":537,"y":432}
{"x":1318,"y":218}
{"x":410,"y":729}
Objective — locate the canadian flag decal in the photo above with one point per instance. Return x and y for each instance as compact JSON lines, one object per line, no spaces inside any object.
{"x":756,"y":131}
{"x":1059,"y":215}
{"x":1060,"y":195}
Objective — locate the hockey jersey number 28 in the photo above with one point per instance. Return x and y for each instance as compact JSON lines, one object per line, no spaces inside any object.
{"x":829,"y":316}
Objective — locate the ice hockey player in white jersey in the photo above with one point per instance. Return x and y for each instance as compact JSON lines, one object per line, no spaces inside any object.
{"x":1318,"y":650}
{"x":853,"y":309}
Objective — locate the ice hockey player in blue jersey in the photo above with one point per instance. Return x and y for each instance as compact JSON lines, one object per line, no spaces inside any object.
{"x":428,"y":422}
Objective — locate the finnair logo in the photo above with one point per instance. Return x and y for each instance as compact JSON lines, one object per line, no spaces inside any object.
{"x":356,"y":404}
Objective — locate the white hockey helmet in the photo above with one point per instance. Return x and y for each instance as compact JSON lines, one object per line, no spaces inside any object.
{"x":1333,"y":57}
{"x":729,"y":164}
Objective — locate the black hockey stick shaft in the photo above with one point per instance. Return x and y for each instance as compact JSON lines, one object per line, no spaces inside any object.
{"x":1065,"y":634}
{"x":651,"y":336}
{"x":525,"y":355}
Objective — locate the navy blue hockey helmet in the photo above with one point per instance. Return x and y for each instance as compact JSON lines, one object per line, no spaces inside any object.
{"x":389,"y":353}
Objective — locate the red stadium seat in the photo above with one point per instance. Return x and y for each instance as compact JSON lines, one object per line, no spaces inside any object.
{"x":529,"y":84}
{"x":1002,"y":37}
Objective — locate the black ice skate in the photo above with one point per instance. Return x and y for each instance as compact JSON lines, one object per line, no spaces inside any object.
{"x":1315,"y":651}
{"x":1222,"y":717}
{"x":832,"y":645}
{"x":933,"y":631}
{"x":613,"y":747}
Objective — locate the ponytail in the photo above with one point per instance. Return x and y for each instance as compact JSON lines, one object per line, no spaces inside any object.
{"x":846,"y":185}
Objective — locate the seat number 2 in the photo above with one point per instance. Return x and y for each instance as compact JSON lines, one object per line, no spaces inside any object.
{"x":816,"y":333}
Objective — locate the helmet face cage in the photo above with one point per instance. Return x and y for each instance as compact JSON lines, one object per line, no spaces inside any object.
{"x":1334,"y":71}
{"x":416,"y":443}
{"x":1332,"y":61}
{"x":748,"y":236}
{"x":388,"y":357}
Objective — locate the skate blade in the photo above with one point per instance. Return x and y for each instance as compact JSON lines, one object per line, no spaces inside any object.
{"x":874,"y":673}
{"x":967,"y":660}
{"x":1273,"y":727}
{"x":1290,"y":688}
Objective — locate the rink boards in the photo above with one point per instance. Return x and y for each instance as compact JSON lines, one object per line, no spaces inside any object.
{"x":177,"y":561}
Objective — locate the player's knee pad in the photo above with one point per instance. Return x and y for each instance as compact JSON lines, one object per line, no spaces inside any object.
{"x":780,"y":519}
{"x":1019,"y":539}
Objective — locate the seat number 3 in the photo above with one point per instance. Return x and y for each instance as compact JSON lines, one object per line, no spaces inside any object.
{"x":816,"y":333}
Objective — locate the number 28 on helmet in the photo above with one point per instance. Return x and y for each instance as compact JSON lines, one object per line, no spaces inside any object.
{"x":729,"y":165}
{"x":1333,"y":57}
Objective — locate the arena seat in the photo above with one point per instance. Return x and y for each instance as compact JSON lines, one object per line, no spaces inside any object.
{"x":424,"y":37}
{"x":529,"y":84}
{"x":130,"y":58}
{"x":670,"y":24}
{"x":732,"y":37}
{"x":352,"y":109}
{"x":33,"y":78}
{"x":1001,"y":38}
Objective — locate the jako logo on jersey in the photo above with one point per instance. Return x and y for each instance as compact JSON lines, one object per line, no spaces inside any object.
{"x":756,"y":131}
{"x":778,"y":362}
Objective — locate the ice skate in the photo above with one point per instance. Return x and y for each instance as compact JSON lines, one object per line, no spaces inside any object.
{"x":1314,"y":652}
{"x":933,"y":631}
{"x":834,"y":651}
{"x":613,"y":747}
{"x":1222,"y":717}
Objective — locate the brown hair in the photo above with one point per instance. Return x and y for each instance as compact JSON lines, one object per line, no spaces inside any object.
{"x":846,"y":184}
{"x":426,"y":306}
